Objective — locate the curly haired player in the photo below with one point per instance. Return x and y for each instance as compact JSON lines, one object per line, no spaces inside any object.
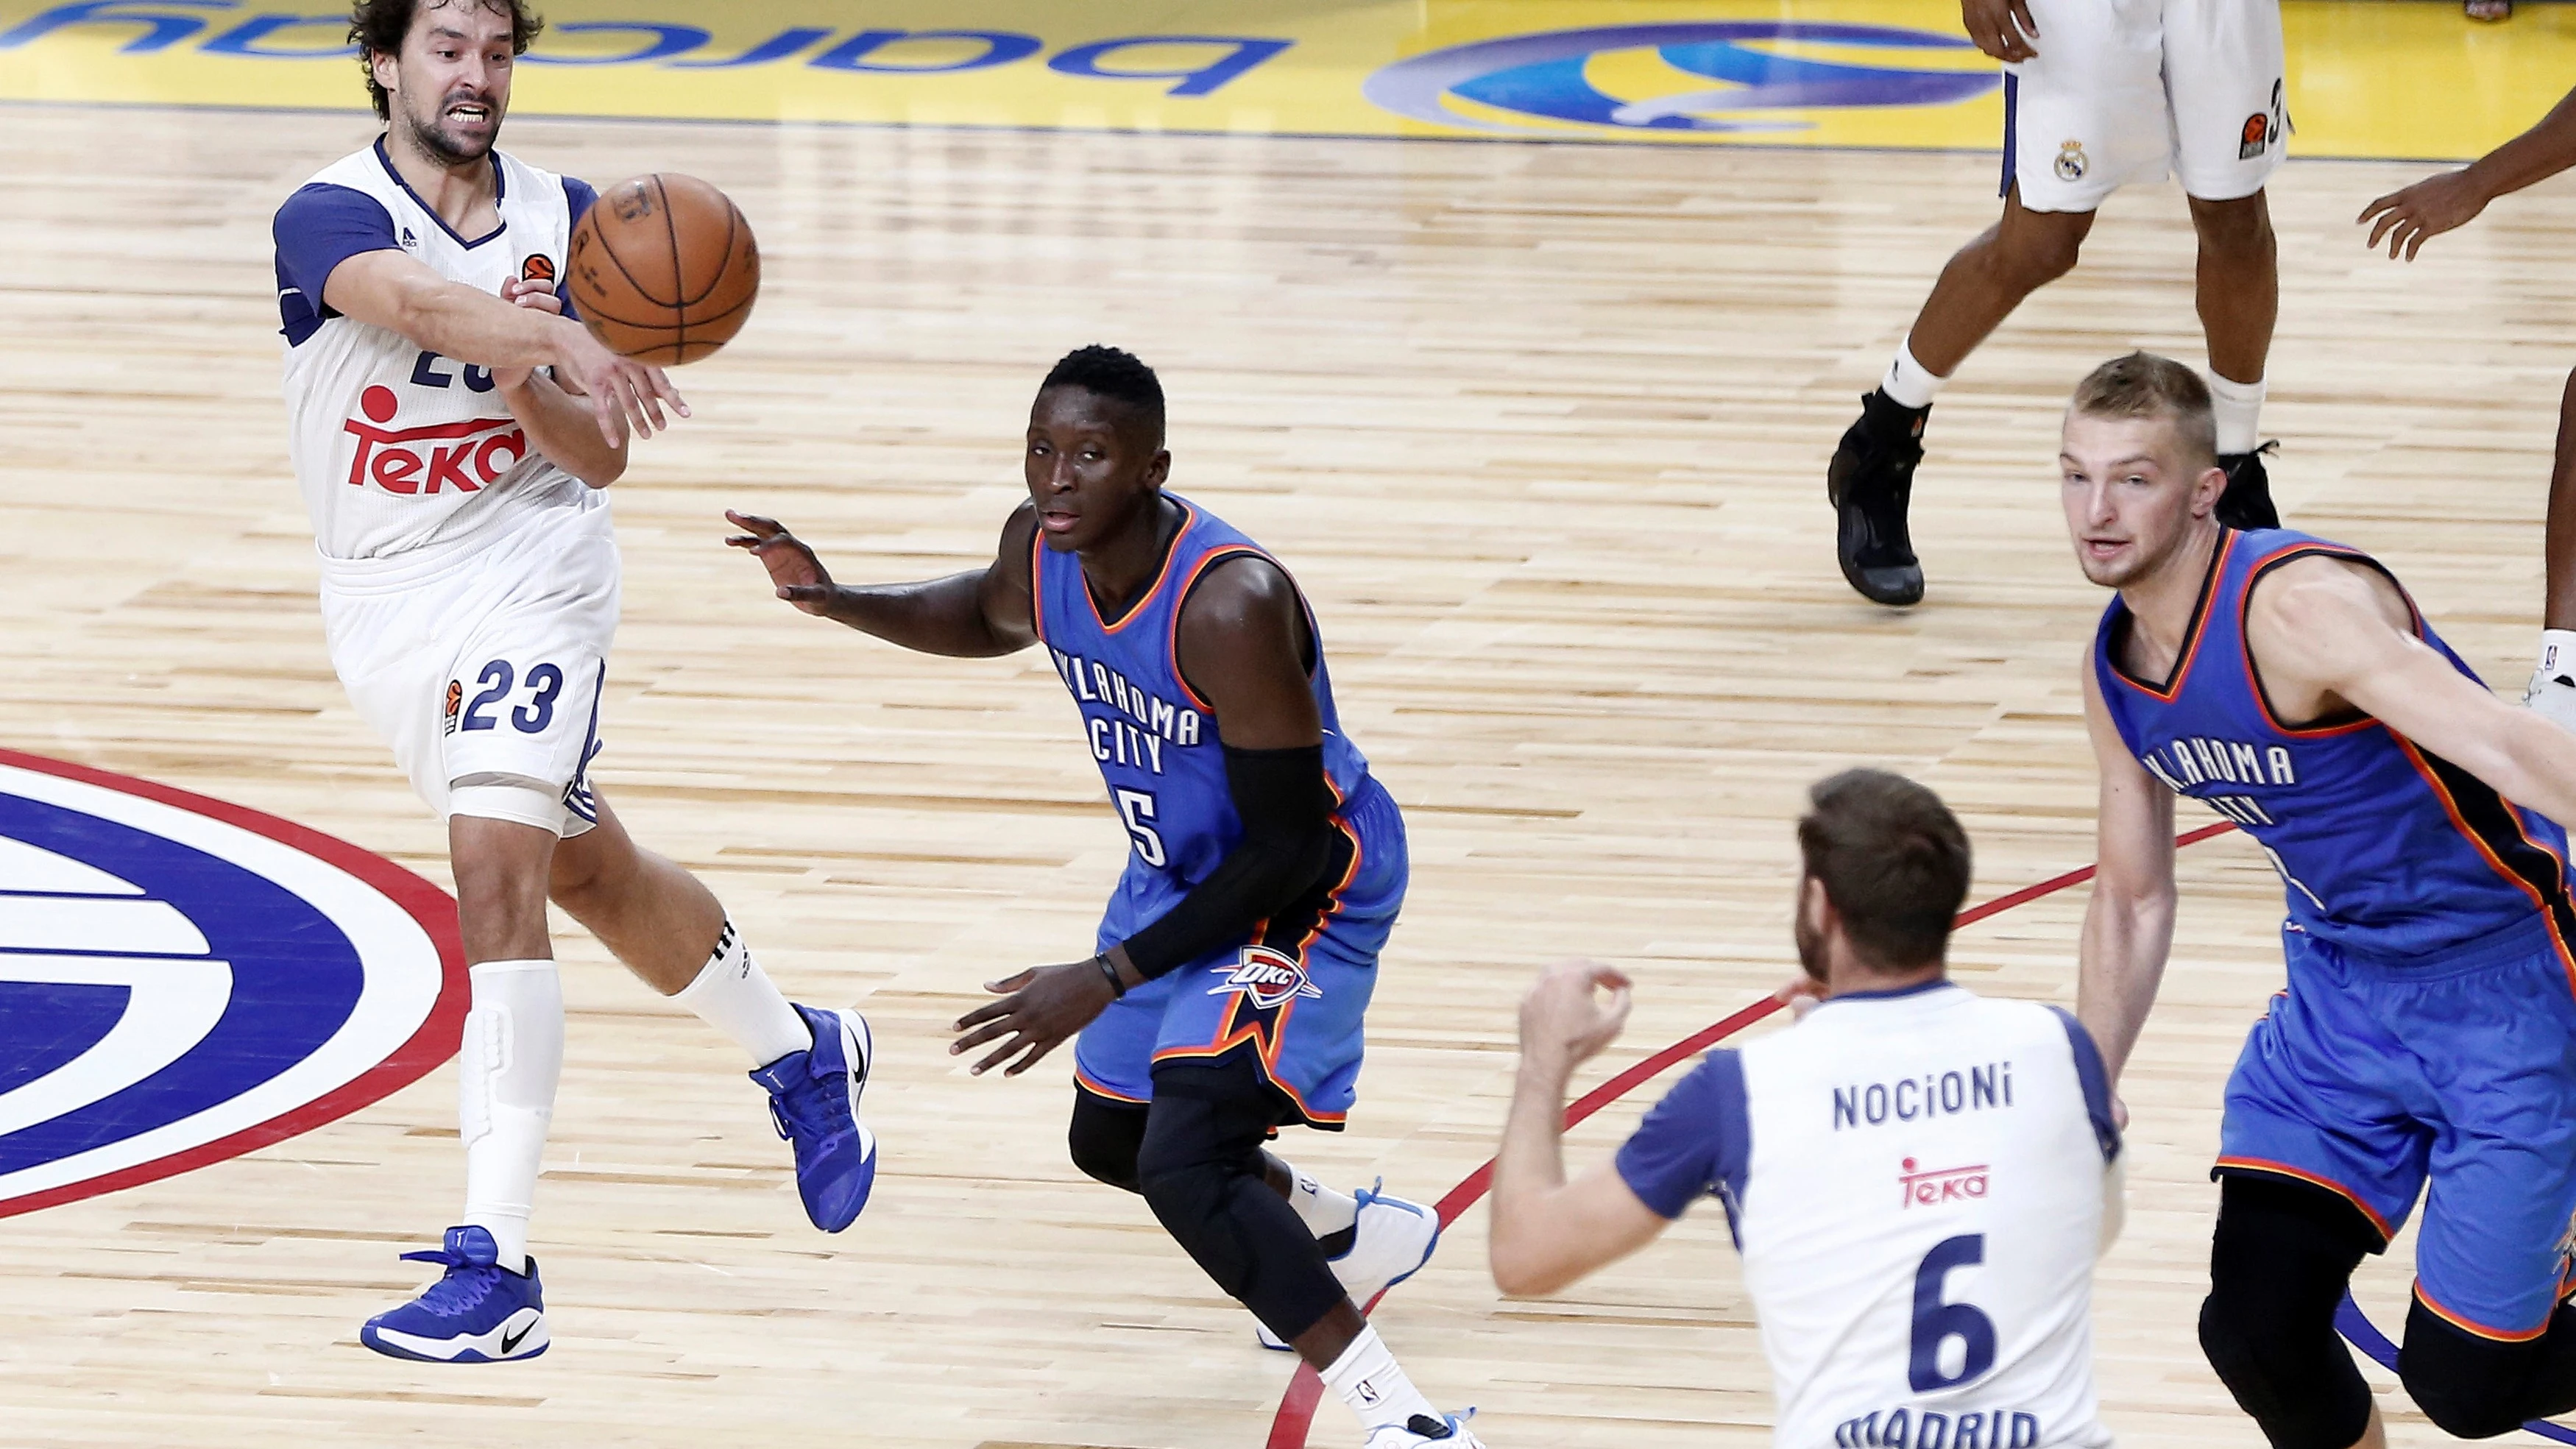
{"x":453,"y":429}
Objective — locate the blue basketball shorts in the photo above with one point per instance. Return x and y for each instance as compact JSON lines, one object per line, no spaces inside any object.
{"x":1294,"y":995}
{"x":2372,"y":1079}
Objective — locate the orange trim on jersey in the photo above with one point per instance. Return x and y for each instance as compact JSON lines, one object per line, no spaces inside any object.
{"x":1172,"y":631}
{"x":2265,"y":1164}
{"x":2468,"y":1325}
{"x":1089,"y":1083}
{"x":2548,"y":909}
{"x":2199,"y":629}
{"x":1037,"y":583}
{"x":1189,"y":520}
{"x":2245,"y":647}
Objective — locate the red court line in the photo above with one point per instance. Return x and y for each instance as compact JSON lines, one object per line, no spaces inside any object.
{"x":1305,"y":1391}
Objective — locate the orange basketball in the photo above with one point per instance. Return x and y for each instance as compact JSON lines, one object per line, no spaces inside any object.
{"x":663,"y":268}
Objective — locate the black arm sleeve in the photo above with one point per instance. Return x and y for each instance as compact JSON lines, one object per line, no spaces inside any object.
{"x":1287,"y":810}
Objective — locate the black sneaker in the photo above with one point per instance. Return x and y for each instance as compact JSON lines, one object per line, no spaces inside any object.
{"x":2247,"y":503}
{"x":1869,"y":482}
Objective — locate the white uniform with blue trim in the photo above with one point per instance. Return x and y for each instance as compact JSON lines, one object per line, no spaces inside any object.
{"x":2126,"y":92}
{"x":469,"y":585}
{"x":1919,"y":1182}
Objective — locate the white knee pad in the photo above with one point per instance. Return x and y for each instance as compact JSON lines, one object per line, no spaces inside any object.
{"x":506,"y":1071}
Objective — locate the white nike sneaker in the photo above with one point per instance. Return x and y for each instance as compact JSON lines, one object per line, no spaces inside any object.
{"x":1450,"y":1432}
{"x":2553,"y":696}
{"x":1395,"y":1238}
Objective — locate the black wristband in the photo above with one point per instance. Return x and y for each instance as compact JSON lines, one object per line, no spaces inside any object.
{"x":1109,"y":969}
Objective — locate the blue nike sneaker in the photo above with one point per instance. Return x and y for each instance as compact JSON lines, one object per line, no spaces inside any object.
{"x":480,"y":1312}
{"x":814,"y":1099}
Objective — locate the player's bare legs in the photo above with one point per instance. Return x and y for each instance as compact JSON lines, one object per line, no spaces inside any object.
{"x":1989,"y":277}
{"x":2239,"y":296}
{"x":1871,"y":480}
{"x":2552,"y":690}
{"x":660,"y":921}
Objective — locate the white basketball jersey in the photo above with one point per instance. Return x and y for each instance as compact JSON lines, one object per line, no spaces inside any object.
{"x":1921,"y":1207}
{"x":397,"y":447}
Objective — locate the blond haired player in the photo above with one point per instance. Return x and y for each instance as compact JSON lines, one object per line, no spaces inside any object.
{"x":452,"y":431}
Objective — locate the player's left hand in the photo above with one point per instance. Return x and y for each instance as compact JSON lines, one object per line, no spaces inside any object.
{"x":1039,"y":1008}
{"x":2430,"y":207}
{"x":536,"y":297}
{"x":1564,"y":1021}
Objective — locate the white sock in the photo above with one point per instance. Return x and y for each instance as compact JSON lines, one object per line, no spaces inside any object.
{"x":1369,"y":1380}
{"x":2557,"y":652}
{"x":506,"y":1070}
{"x":2237,"y":408}
{"x":1323,"y":1211}
{"x":1909,"y":383}
{"x":733,"y":995}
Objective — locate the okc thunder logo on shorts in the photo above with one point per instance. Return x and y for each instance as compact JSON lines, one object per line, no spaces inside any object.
{"x":1656,"y":79}
{"x":1267,"y":978}
{"x":184,"y":980}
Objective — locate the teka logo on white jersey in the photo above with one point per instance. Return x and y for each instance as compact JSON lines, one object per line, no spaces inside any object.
{"x":464,"y":457}
{"x":185,"y":980}
{"x":1931,"y":1187}
{"x":1266,"y":978}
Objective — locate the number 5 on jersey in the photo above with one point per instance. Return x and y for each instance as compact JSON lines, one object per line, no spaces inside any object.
{"x":1136,"y":808}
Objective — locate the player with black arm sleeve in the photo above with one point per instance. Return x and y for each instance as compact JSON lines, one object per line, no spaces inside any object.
{"x":1233,"y":967}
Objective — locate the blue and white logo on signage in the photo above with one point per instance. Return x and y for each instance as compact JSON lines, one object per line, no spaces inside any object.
{"x":1729,"y":76}
{"x":184,"y":980}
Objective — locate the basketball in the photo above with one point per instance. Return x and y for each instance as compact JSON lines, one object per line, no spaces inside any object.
{"x":664,"y":269}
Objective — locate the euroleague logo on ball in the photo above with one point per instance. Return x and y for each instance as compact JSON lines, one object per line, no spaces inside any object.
{"x":186,"y":980}
{"x":1655,"y":80}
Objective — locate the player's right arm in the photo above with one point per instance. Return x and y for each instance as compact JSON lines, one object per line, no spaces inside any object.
{"x":974,"y":615}
{"x":2409,"y":218}
{"x":395,"y":291}
{"x":2128,"y":923}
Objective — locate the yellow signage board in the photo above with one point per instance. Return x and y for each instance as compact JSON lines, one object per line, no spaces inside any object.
{"x":2367,"y":77}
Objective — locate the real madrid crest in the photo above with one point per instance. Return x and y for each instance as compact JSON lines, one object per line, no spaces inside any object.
{"x":2071,"y":161}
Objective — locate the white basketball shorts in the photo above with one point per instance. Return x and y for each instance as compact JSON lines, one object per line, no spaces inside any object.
{"x":481,"y":664}
{"x":2127,"y":91}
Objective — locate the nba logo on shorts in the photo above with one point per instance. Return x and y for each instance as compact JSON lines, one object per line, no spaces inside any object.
{"x":2071,"y":161}
{"x":1267,"y":978}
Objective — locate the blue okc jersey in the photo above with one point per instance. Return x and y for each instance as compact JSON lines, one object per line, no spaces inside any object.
{"x":1156,"y":741}
{"x":2387,"y":850}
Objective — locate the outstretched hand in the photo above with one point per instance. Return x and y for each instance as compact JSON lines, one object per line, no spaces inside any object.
{"x":2430,"y":207}
{"x":798,"y":575}
{"x":1564,"y":1020}
{"x":1039,"y":1008}
{"x":623,"y":393}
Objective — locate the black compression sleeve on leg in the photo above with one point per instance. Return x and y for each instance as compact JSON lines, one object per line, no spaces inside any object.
{"x":2278,"y":1263}
{"x":1286,"y":806}
{"x":1104,"y":1137}
{"x":1202,"y":1173}
{"x":2477,"y":1388}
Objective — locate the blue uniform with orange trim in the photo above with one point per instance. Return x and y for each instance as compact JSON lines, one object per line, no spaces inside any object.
{"x":1296,"y":987}
{"x":2429,"y":1025}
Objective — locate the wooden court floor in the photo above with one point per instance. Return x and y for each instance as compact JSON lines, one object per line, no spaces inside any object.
{"x":1542,"y":431}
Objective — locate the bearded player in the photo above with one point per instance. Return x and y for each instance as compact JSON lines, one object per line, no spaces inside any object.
{"x":452,"y":427}
{"x":2098,"y":94}
{"x":1231,"y":972}
{"x":2427,"y":1041}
